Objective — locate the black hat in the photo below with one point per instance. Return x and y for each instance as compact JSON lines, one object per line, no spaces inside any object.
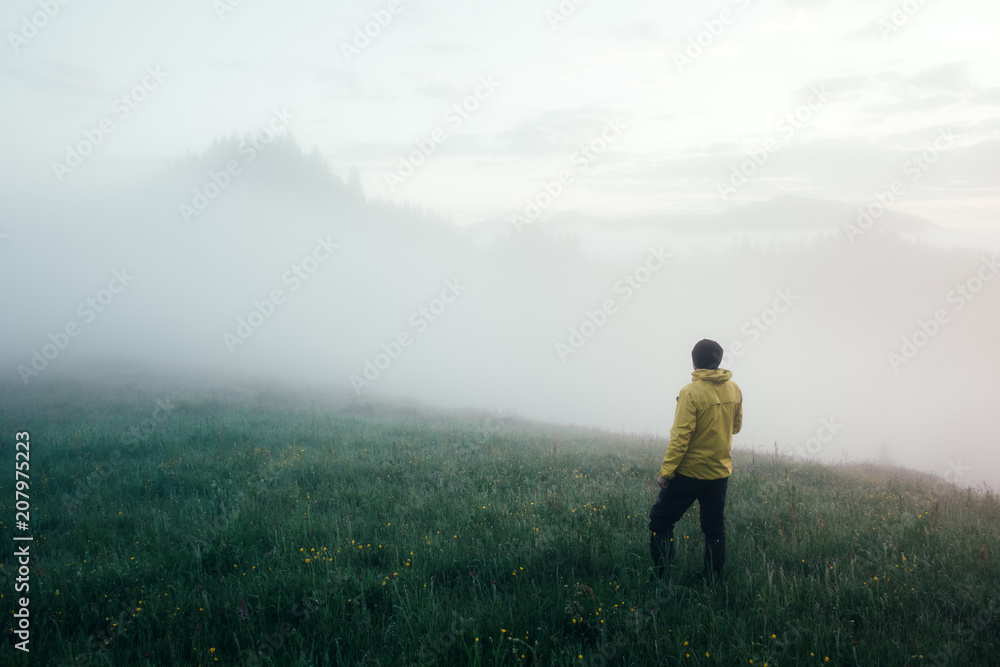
{"x":706,"y":354}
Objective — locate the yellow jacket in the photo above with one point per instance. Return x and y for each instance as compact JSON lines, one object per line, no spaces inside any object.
{"x":709,"y":412}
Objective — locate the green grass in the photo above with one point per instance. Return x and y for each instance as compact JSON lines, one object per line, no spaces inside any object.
{"x":385,"y":535}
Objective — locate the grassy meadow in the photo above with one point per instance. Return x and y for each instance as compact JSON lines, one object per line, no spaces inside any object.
{"x":257,"y":527}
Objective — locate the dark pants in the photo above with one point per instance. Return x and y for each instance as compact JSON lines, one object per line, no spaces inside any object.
{"x":671,"y":505}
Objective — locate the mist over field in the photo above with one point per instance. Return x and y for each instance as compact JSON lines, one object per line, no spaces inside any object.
{"x":534,"y":210}
{"x":353,"y":333}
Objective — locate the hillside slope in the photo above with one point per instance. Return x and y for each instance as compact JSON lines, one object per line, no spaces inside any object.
{"x":180,"y":525}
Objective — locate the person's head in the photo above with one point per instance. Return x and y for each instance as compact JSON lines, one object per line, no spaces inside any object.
{"x":706,"y":354}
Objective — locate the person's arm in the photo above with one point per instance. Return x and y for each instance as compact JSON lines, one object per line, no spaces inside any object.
{"x":738,"y":417}
{"x":685,"y":420}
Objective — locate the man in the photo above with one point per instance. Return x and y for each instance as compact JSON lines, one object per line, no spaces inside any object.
{"x":697,"y":464}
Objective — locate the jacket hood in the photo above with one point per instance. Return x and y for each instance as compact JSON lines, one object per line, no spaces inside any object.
{"x":717,"y":375}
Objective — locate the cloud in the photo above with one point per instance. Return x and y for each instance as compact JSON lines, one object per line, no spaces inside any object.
{"x":913,"y":104}
{"x":845,"y":86}
{"x":895,"y":93}
{"x":643,"y":32}
{"x":553,"y":132}
{"x":987,"y":96}
{"x":441,"y":90}
{"x":950,"y":77}
{"x":50,"y":78}
{"x":445,"y":49}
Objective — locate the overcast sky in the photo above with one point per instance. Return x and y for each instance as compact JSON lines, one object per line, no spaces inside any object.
{"x":890,"y":84}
